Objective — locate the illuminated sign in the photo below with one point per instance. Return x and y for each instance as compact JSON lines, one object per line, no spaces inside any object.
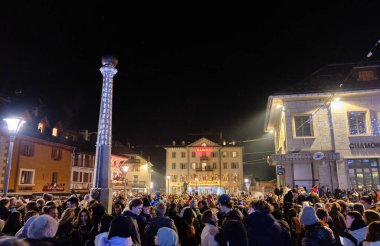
{"x":203,"y":150}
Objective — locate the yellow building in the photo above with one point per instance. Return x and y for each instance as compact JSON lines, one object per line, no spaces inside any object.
{"x":39,"y":166}
{"x":204,"y":167}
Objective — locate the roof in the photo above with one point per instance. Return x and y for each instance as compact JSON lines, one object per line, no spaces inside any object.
{"x":335,"y":78}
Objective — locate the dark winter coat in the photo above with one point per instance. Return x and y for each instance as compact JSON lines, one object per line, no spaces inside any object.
{"x":263,"y":229}
{"x":318,"y":235}
{"x":152,"y":227}
{"x":135,"y":229}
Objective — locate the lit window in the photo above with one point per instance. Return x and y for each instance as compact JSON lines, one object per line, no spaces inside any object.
{"x":234,"y":154}
{"x":357,"y":123}
{"x":41,"y":127}
{"x":193,"y":165}
{"x":54,"y":132}
{"x":366,"y":75}
{"x":225,"y":154}
{"x":26,"y":177}
{"x":303,"y":126}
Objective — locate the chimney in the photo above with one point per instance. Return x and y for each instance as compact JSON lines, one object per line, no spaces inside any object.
{"x":173,"y":143}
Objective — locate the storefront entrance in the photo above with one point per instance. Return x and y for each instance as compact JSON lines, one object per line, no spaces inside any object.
{"x":363,"y":173}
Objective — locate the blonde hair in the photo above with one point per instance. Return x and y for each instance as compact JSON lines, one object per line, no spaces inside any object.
{"x":67,"y":216}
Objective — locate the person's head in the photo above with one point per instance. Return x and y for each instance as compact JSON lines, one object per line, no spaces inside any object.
{"x":225,"y":203}
{"x":118,"y":208}
{"x":209,"y":217}
{"x":120,"y":227}
{"x":322,"y":214}
{"x":84,"y":216}
{"x":308,"y":216}
{"x":31,"y":205}
{"x":370,"y":216}
{"x":47,"y":197}
{"x":292,"y":212}
{"x":43,"y":226}
{"x":136,"y":206}
{"x":202,"y":204}
{"x":104,"y":223}
{"x":52,"y":211}
{"x":146,"y":205}
{"x":12,"y":202}
{"x":188,"y":215}
{"x":373,"y":232}
{"x":30,"y":214}
{"x":354,"y":220}
{"x":166,"y":237}
{"x":5,"y":201}
{"x":358,"y":207}
{"x":160,"y":209}
{"x":72,"y":202}
{"x":24,"y":233}
{"x":68,"y":216}
{"x":261,"y":206}
{"x":97,"y":210}
{"x":40,"y":203}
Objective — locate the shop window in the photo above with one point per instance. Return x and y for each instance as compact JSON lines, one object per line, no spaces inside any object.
{"x":357,"y":123}
{"x":363,"y":173}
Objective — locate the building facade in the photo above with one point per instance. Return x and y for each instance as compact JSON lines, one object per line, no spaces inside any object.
{"x":204,"y":167}
{"x":327,"y":132}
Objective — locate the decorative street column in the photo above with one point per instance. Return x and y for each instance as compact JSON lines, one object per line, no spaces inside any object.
{"x":102,"y":190}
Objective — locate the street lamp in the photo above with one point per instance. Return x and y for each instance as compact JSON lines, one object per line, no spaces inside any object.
{"x":196,"y":184}
{"x":14,"y":125}
{"x":247,"y":184}
{"x":124,"y":169}
{"x":168,"y":177}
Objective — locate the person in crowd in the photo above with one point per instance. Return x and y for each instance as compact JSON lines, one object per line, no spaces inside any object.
{"x":117,"y":209}
{"x":103,"y":229}
{"x":373,"y":234}
{"x":189,"y":228}
{"x":338,"y":219}
{"x":96,"y":210}
{"x":121,"y":230}
{"x":209,"y":219}
{"x":73,"y":202}
{"x":156,"y":223}
{"x":262,"y":228}
{"x":145,"y":216}
{"x":22,"y":233}
{"x":40,"y":204}
{"x":288,"y":202}
{"x":295,"y":226}
{"x":233,"y":233}
{"x":370,"y":216}
{"x":12,"y":241}
{"x":203,"y":206}
{"x":42,"y":231}
{"x":4,"y":208}
{"x":366,"y":201}
{"x":32,"y":206}
{"x":13,"y":224}
{"x":358,"y":207}
{"x":83,"y":224}
{"x":47,"y":197}
{"x":166,"y":237}
{"x":357,"y":229}
{"x":315,"y":233}
{"x":53,"y":212}
{"x":135,"y":208}
{"x":157,"y":198}
{"x":66,"y":233}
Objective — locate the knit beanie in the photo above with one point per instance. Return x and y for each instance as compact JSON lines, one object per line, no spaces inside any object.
{"x":167,"y":237}
{"x":308,"y":216}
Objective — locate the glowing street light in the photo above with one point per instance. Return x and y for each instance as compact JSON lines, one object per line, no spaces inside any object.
{"x":14,"y":125}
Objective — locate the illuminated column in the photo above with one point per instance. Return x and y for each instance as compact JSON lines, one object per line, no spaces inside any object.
{"x":102,"y":190}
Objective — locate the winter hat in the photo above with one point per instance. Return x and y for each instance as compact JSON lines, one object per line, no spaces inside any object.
{"x":224,"y":198}
{"x":146,"y":202}
{"x":43,"y":226}
{"x":167,"y":237}
{"x":24,"y":232}
{"x":308,"y":216}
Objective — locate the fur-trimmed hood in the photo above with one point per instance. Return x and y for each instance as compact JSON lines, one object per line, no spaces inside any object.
{"x":43,"y":226}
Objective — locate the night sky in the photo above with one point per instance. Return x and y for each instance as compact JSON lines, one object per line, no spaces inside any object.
{"x":181,"y":70}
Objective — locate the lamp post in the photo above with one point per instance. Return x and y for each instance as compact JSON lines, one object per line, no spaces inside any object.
{"x":124,"y":169}
{"x":14,"y":125}
{"x":196,"y":184}
{"x":168,"y":178}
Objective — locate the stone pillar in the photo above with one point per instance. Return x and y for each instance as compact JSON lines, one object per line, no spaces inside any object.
{"x":102,"y":190}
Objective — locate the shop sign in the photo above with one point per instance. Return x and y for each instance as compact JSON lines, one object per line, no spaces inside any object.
{"x":329,"y":156}
{"x":53,"y":187}
{"x":372,"y":145}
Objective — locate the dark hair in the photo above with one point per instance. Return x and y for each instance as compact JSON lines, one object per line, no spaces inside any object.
{"x":78,"y":221}
{"x":292,"y":212}
{"x":358,"y":207}
{"x":120,"y":227}
{"x":262,"y":206}
{"x":358,"y":221}
{"x":188,"y":215}
{"x":135,"y":202}
{"x":160,"y":209}
{"x":73,"y":200}
{"x":373,"y":232}
{"x":321,"y":213}
{"x":277,"y":214}
{"x":105,"y":222}
{"x":31,"y":205}
{"x":207,"y":217}
{"x":370,"y":216}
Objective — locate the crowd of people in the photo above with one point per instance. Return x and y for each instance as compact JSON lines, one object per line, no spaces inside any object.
{"x":286,"y":216}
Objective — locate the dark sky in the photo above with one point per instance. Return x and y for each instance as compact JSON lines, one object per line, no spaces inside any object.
{"x":181,"y":69}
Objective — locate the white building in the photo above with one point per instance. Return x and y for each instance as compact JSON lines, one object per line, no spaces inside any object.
{"x":204,"y":167}
{"x":327,"y":130}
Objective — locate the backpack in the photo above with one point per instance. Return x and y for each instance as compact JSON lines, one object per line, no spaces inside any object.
{"x":190,"y":231}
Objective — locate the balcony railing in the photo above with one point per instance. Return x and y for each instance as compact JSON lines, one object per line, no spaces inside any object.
{"x":207,"y":168}
{"x":129,"y":183}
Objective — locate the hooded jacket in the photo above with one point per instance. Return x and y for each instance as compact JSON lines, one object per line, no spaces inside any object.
{"x":358,"y":234}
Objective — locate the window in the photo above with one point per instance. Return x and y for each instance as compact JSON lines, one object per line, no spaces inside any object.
{"x":193,"y":165}
{"x":214,"y":165}
{"x":86,"y":177}
{"x":87,"y":161}
{"x":26,"y":176}
{"x":366,"y":75}
{"x":193,"y":154}
{"x":234,"y":165}
{"x":54,"y":178}
{"x":363,"y":173}
{"x":173,"y":165}
{"x":357,"y":123}
{"x":214,"y":154}
{"x":41,"y":127}
{"x":27,"y":149}
{"x":75,"y":176}
{"x":225,"y":154}
{"x":173,"y":155}
{"x":135,"y":179}
{"x":234,"y":154}
{"x":183,"y":154}
{"x":303,"y":126}
{"x":183,"y":165}
{"x":54,"y":132}
{"x":56,"y":153}
{"x":225,"y":165}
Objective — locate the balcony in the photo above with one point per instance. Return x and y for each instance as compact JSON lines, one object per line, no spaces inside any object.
{"x":133,"y":184}
{"x":205,"y":169}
